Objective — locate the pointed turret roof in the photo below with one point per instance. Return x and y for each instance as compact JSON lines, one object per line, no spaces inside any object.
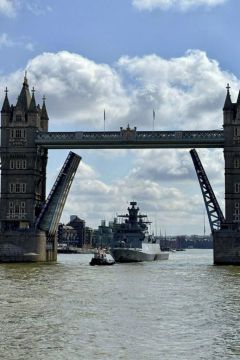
{"x":44,"y":114}
{"x":6,"y":106}
{"x":24,"y":98}
{"x":228,"y":102}
{"x":33,"y":106}
{"x":238,"y":99}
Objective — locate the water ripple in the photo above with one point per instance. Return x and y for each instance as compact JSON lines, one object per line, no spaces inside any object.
{"x":184,"y":309}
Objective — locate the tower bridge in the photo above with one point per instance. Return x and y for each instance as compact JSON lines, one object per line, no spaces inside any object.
{"x":28,"y":221}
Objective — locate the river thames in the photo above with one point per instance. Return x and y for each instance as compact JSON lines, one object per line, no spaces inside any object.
{"x":184,"y":308}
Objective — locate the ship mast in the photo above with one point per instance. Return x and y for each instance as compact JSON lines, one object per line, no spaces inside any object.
{"x":133,"y":216}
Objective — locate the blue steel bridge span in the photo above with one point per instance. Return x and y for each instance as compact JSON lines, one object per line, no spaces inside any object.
{"x":130,"y":139}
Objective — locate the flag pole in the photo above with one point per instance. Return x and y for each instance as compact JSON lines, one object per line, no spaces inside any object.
{"x":153,"y":119}
{"x":104,"y":119}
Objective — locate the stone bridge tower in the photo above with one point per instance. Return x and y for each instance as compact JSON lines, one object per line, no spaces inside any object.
{"x":227,"y":239}
{"x":23,"y":179}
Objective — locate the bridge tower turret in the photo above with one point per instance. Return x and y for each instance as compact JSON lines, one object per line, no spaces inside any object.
{"x":23,"y":177}
{"x":231,"y":125}
{"x":227,"y":239}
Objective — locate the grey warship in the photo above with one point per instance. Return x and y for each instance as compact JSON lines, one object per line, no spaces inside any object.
{"x":132,"y":242}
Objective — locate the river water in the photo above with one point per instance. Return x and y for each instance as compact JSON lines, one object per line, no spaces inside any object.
{"x":184,"y":308}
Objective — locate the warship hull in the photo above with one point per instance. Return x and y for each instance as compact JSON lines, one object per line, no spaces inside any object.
{"x":150,"y":252}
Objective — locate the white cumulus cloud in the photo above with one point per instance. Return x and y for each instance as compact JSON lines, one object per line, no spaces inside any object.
{"x":11,"y":8}
{"x":77,"y":89}
{"x":183,"y":5}
{"x":8,"y":7}
{"x":6,"y":41}
{"x":185,"y":92}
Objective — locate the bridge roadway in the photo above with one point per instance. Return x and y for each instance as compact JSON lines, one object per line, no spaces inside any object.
{"x":131,"y":139}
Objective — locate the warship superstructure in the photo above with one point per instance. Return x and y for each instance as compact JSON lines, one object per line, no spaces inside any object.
{"x":132,"y":242}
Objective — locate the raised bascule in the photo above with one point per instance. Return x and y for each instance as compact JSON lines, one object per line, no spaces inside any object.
{"x":28,"y":221}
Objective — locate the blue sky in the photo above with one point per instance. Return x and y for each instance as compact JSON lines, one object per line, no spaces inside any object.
{"x":104,"y":30}
{"x":129,"y":57}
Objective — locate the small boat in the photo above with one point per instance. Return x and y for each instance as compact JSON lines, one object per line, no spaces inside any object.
{"x":100,"y":258}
